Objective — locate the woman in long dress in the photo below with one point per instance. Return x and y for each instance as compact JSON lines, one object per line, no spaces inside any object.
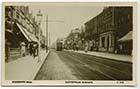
{"x":23,"y":48}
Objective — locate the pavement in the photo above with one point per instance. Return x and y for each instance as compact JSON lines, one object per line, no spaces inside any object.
{"x":119,"y":57}
{"x":24,"y":68}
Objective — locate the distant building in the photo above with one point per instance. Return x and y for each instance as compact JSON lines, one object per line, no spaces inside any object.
{"x":74,"y":38}
{"x":92,"y":34}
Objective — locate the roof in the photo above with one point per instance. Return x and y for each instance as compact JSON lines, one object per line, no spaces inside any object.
{"x":127,"y":37}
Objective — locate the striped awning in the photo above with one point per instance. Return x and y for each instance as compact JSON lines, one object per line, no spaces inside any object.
{"x":26,"y":34}
{"x":29,"y":36}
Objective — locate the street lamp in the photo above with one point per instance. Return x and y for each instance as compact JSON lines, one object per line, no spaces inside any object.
{"x":39,"y":18}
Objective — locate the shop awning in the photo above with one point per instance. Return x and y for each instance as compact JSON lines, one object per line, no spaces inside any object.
{"x":29,"y":36}
{"x":26,"y":34}
{"x":127,"y":37}
{"x":33,"y":38}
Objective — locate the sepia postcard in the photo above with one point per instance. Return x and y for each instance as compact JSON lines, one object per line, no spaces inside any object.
{"x":69,"y":43}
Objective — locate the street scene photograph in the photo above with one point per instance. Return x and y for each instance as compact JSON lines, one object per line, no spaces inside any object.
{"x":68,"y":42}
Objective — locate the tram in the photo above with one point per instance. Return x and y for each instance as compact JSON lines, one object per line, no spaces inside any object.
{"x":59,"y":46}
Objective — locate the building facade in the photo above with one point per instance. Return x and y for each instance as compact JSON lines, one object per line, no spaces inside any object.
{"x":108,"y":27}
{"x":92,"y":34}
{"x":106,"y":30}
{"x":20,"y":26}
{"x":124,"y":29}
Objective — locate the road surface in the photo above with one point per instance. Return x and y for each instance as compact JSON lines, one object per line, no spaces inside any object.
{"x":65,"y":65}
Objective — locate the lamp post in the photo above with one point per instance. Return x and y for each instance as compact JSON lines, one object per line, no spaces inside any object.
{"x":39,"y":18}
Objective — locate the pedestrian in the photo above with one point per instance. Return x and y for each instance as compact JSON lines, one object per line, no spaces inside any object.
{"x":35,"y":46}
{"x":86,"y":48}
{"x":37,"y":49}
{"x":74,"y":46}
{"x":77,"y":47}
{"x":23,"y":48}
{"x":31,"y":48}
{"x":28,"y":48}
{"x":91,"y":49}
{"x":34,"y":50}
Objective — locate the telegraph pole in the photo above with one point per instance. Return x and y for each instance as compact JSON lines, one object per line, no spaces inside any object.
{"x":39,"y":45}
{"x":48,"y":38}
{"x":46,"y":33}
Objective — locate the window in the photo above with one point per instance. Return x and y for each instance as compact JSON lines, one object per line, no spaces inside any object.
{"x":119,"y":21}
{"x":128,"y":16}
{"x":103,"y":41}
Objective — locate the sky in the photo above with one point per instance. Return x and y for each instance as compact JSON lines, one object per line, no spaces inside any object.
{"x":71,"y":16}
